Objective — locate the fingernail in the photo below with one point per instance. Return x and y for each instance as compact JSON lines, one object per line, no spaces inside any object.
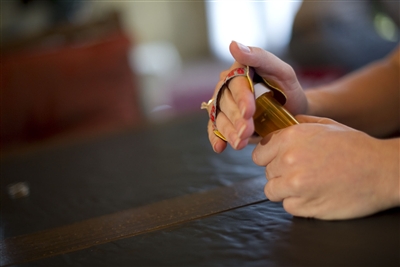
{"x":233,"y":139}
{"x":213,"y":147}
{"x":241,"y":131}
{"x":236,"y":143}
{"x":243,"y":47}
{"x":242,"y":108}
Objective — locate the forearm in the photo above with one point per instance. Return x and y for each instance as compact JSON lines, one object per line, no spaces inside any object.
{"x":367,"y":100}
{"x":389,"y":164}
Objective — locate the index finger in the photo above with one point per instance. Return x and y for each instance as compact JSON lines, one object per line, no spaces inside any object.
{"x":267,"y":150}
{"x":242,"y":94}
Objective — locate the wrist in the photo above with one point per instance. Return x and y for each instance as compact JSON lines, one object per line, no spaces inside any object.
{"x":390,"y":175}
{"x":312,"y":103}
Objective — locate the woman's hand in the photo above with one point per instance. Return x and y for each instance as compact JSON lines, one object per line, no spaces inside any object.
{"x":237,"y":105}
{"x":323,"y":169}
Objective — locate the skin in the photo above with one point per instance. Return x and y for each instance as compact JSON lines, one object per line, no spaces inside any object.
{"x":337,"y":168}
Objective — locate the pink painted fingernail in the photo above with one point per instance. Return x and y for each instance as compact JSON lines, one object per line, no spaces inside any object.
{"x":243,"y":111}
{"x":233,"y":139}
{"x":243,"y":47}
{"x":214,"y":147}
{"x":236,"y":143}
{"x":242,"y":108}
{"x":241,"y":131}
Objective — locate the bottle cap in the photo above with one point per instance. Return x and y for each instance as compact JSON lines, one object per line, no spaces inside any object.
{"x":260,"y":89}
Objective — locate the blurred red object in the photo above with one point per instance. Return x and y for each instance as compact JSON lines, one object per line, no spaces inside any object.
{"x":315,"y":76}
{"x":73,"y":88}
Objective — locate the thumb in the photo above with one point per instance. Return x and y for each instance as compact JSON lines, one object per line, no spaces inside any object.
{"x":266,"y":64}
{"x":274,"y":70}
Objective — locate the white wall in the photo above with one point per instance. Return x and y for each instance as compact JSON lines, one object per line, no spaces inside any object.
{"x":181,"y":23}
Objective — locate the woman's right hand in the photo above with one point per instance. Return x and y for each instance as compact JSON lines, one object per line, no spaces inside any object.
{"x":237,"y":105}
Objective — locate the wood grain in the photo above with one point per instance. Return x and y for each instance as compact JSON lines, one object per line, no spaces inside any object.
{"x":131,"y":222}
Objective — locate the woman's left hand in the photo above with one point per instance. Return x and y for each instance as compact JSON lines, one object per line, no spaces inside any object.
{"x":323,"y":169}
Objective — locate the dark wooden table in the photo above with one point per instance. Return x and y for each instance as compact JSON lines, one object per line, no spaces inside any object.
{"x":102,"y":180}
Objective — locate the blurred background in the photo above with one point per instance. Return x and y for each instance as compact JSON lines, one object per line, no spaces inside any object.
{"x":73,"y":68}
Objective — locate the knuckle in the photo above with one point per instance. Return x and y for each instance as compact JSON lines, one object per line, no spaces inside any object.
{"x":254,"y":156}
{"x":290,"y":158}
{"x":291,"y":207}
{"x":269,"y":192}
{"x":237,"y":119}
{"x":289,"y":133}
{"x":296,"y":183}
{"x":258,"y":158}
{"x":326,"y":121}
{"x":300,"y":208}
{"x":270,"y":173}
{"x":288,"y":71}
